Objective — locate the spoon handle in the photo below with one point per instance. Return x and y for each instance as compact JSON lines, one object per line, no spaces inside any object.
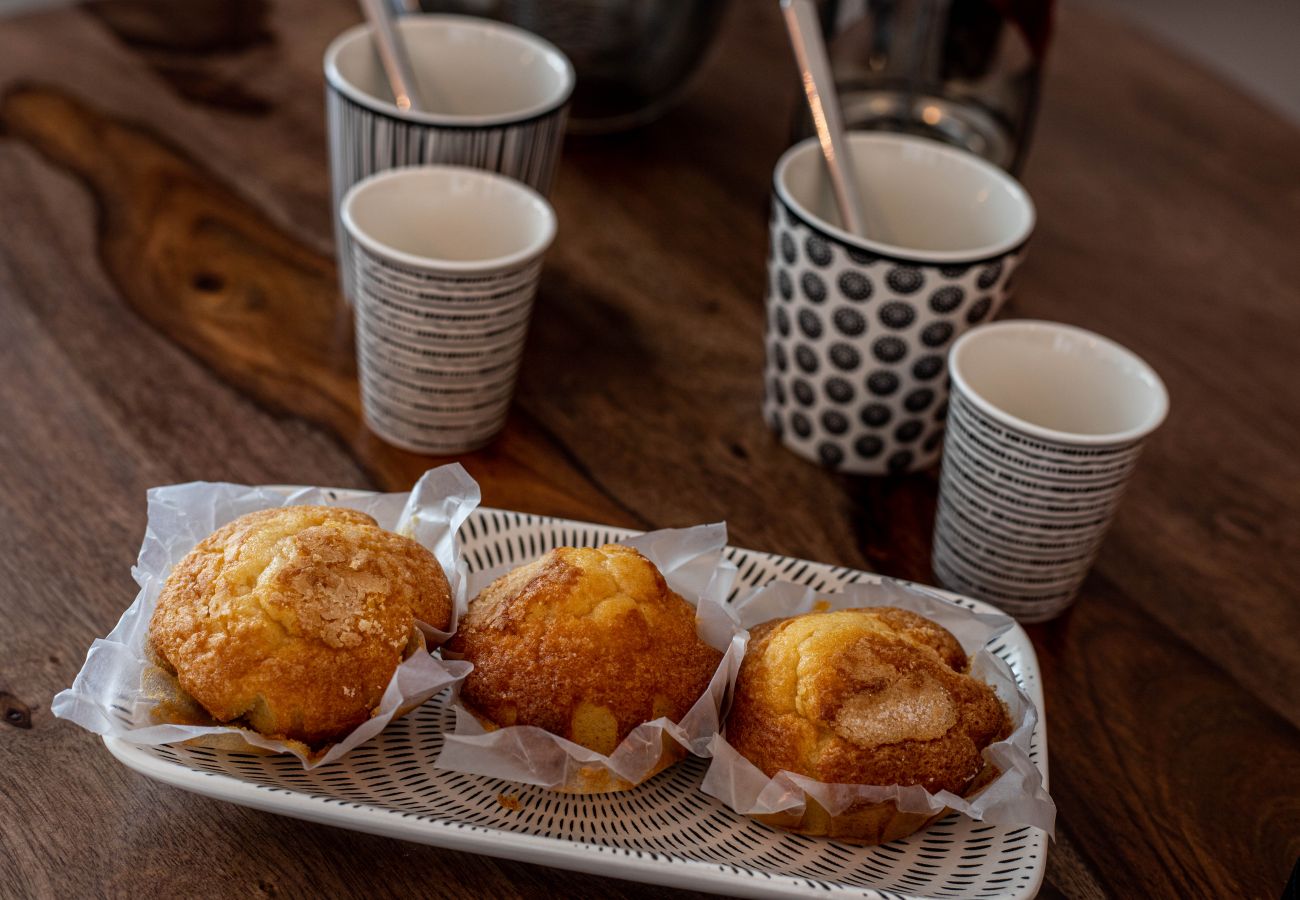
{"x":815,"y":71}
{"x":392,"y":55}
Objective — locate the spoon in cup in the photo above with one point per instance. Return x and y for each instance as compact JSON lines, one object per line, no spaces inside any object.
{"x":815,"y":72}
{"x":392,"y":55}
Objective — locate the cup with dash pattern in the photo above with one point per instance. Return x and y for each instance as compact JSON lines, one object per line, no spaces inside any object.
{"x":495,"y":97}
{"x":1045,"y":428}
{"x":858,"y":327}
{"x":444,"y":262}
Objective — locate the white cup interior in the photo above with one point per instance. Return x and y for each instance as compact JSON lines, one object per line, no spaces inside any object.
{"x":1058,"y":382}
{"x":923,"y":200}
{"x":448,"y":218}
{"x":469,"y":71}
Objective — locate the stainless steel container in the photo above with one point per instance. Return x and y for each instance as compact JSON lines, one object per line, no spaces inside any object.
{"x":634,"y":58}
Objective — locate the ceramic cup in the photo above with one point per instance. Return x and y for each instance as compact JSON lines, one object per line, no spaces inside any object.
{"x":495,"y":96}
{"x":1045,"y":426}
{"x":444,"y":263}
{"x":858,"y":330}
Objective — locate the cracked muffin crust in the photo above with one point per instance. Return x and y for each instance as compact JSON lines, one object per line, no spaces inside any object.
{"x":585,"y":643}
{"x":292,"y":620}
{"x":864,"y":696}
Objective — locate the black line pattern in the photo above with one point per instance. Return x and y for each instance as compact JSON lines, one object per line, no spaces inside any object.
{"x":437,"y":354}
{"x":1020,"y":518}
{"x":666,"y":821}
{"x":364,"y":141}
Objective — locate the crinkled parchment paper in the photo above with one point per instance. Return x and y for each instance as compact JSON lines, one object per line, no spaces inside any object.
{"x":1015,"y":797}
{"x":121,"y":692}
{"x":691,"y":562}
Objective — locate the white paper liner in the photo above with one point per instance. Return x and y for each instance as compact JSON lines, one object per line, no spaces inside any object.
{"x":692,"y":564}
{"x":1015,"y":797}
{"x":120,"y":689}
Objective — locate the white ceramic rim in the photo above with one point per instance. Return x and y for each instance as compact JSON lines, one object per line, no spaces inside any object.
{"x":940,"y":257}
{"x":1135,"y":433}
{"x":427,"y":20}
{"x":518,"y":258}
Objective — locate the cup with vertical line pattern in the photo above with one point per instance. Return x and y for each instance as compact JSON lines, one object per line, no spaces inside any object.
{"x":1045,"y":425}
{"x":444,"y":262}
{"x":495,"y":97}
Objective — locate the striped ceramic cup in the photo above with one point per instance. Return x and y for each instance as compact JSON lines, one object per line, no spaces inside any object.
{"x":495,"y":98}
{"x":444,"y":263}
{"x":1045,"y":425}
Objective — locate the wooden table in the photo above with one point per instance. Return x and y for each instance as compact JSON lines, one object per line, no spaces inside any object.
{"x":168,"y":312}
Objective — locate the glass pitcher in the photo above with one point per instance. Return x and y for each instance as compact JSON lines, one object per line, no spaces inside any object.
{"x":966,"y":72}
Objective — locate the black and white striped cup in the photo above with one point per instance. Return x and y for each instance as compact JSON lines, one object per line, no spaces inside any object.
{"x":444,"y":263}
{"x":858,"y":328}
{"x":1045,"y":425}
{"x":495,"y":98}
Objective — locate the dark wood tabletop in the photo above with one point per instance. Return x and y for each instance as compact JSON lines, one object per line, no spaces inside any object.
{"x":169,"y":312}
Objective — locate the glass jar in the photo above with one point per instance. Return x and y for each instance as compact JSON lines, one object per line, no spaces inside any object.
{"x":966,"y":72}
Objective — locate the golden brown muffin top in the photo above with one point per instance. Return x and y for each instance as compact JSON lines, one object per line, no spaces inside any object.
{"x":585,"y":643}
{"x":294,"y":619}
{"x":863,"y":696}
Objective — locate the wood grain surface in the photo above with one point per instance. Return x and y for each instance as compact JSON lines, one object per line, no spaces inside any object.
{"x":168,"y":312}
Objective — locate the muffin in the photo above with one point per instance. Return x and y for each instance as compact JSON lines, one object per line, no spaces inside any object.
{"x":291,"y":621}
{"x":585,"y":643}
{"x":877,"y":696}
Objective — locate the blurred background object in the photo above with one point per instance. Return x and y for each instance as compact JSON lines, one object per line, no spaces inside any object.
{"x":966,"y":72}
{"x":634,"y":58}
{"x":1253,"y":42}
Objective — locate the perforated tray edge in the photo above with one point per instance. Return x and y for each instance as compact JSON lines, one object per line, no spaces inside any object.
{"x":557,"y":853}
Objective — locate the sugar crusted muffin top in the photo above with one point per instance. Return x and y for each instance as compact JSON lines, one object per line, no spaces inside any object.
{"x":293,"y":620}
{"x":864,"y":696}
{"x":586,"y":643}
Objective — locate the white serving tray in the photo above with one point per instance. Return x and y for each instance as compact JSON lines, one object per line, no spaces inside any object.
{"x":662,"y":832}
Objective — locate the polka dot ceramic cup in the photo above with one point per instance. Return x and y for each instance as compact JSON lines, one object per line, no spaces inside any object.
{"x":1045,"y":428}
{"x":858,"y":329}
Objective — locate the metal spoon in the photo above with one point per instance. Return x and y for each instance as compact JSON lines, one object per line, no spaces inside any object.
{"x":815,"y":70}
{"x":392,"y":55}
